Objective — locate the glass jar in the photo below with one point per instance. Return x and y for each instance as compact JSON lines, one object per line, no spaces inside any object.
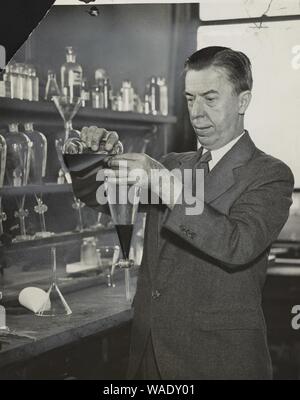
{"x":89,"y":255}
{"x":52,"y":88}
{"x":22,"y":72}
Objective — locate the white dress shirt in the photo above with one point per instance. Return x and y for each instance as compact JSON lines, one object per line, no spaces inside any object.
{"x":217,"y":154}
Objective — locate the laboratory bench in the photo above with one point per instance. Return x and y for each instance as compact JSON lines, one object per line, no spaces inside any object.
{"x":91,"y":343}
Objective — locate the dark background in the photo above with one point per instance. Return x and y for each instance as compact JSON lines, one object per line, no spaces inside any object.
{"x":130,"y":41}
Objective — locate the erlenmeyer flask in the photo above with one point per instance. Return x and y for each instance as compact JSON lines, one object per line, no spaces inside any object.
{"x":52,"y":88}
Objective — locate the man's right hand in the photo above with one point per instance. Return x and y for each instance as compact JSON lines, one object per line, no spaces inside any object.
{"x":99,"y":138}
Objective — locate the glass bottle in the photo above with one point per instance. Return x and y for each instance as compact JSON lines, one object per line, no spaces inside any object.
{"x":89,"y":255}
{"x":3,"y":152}
{"x":71,"y":75}
{"x":163,"y":96}
{"x":38,"y":159}
{"x":154,"y":96}
{"x":21,"y":81}
{"x":18,"y":156}
{"x":85,"y":94}
{"x":52,"y":88}
{"x":127,"y":96}
{"x":106,"y":94}
{"x":12,"y":77}
{"x":96,"y":97}
{"x":6,"y":80}
{"x":27,"y":93}
{"x":147,"y":104}
{"x":34,"y":83}
{"x":100,"y":75}
{"x":2,"y":85}
{"x":119,"y":101}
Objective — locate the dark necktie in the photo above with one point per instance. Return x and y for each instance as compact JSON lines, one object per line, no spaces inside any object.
{"x":202,"y":162}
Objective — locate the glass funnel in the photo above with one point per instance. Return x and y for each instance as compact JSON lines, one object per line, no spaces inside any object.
{"x":123,"y":200}
{"x":67,"y":109}
{"x":55,"y":304}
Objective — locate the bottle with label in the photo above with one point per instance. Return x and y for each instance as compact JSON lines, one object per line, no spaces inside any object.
{"x":38,"y":155}
{"x":163,"y":96}
{"x":52,"y":88}
{"x":71,"y":76}
{"x":127,"y":96}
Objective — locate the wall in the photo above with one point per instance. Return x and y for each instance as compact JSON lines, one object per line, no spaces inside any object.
{"x":130,"y":42}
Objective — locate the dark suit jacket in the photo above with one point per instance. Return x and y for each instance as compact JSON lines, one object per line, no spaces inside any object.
{"x":200,"y":283}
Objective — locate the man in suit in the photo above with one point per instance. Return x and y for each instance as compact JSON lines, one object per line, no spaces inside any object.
{"x":197,"y":308}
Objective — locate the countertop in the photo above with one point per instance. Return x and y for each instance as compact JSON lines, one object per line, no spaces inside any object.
{"x":95,"y":309}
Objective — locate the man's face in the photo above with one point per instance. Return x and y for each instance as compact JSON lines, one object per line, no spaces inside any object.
{"x":214,"y":107}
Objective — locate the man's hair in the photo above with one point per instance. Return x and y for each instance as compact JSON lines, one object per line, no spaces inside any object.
{"x":236,"y":64}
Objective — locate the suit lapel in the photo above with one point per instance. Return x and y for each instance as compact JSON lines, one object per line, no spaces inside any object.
{"x":222,"y":177}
